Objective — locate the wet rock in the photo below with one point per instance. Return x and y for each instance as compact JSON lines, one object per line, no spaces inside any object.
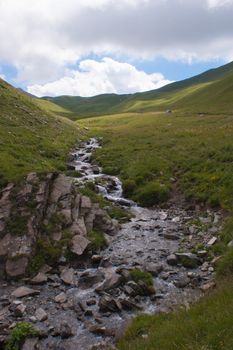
{"x":41,"y":315}
{"x":153,"y":268}
{"x":40,"y":278}
{"x":171,"y":236}
{"x":24,"y":292}
{"x":20,"y":310}
{"x":79,"y":245}
{"x":112,"y":281}
{"x":188,"y":260}
{"x":103,"y":331}
{"x":108,"y":303}
{"x":88,"y":279}
{"x":60,"y":298}
{"x":96,"y":259}
{"x":64,"y":330}
{"x":128,"y":304}
{"x":172,"y":260}
{"x":182,"y":282}
{"x":67,"y":276}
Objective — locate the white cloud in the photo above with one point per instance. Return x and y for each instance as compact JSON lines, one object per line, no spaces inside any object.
{"x":93,"y":78}
{"x":2,"y":76}
{"x":41,"y":39}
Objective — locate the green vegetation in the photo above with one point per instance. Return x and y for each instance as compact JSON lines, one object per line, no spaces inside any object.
{"x":31,"y":139}
{"x":150,"y":149}
{"x":208,"y":325}
{"x":98,"y":240}
{"x":86,"y":106}
{"x":19,"y":334}
{"x":139,"y":275}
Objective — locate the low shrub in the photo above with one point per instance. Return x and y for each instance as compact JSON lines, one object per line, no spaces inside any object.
{"x":152,"y":193}
{"x":19,"y":334}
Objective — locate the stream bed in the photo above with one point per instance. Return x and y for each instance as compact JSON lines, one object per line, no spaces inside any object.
{"x":172,"y":244}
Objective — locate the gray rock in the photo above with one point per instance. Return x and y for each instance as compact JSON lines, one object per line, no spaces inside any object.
{"x":67,"y":276}
{"x":41,"y":315}
{"x":153,"y":268}
{"x":24,"y":292}
{"x":79,"y":244}
{"x":30,"y":344}
{"x":108,"y":303}
{"x":40,"y":278}
{"x":172,"y":260}
{"x":60,"y":298}
{"x":89,"y":279}
{"x":20,"y":310}
{"x":111,"y":282}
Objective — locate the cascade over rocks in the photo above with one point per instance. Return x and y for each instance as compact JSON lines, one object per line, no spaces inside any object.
{"x":45,"y":209}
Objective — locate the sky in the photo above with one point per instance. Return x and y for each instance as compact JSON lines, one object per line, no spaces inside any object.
{"x":90,"y":47}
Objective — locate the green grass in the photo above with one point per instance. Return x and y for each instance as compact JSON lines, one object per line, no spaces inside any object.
{"x":147,"y":150}
{"x":139,"y":275}
{"x":98,"y":241}
{"x":208,"y":325}
{"x":18,"y":335}
{"x":31,"y":139}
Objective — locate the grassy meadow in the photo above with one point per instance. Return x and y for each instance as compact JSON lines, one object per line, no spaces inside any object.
{"x":148,"y":151}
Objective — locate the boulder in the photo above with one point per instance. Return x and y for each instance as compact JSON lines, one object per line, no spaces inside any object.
{"x":111,"y":282}
{"x":79,"y":244}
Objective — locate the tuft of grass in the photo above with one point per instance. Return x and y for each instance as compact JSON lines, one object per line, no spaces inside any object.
{"x":19,"y":334}
{"x":98,"y":240}
{"x":139,"y":275}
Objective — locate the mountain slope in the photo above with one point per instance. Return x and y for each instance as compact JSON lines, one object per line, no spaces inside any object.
{"x":86,"y":106}
{"x":208,"y":92}
{"x":31,"y":139}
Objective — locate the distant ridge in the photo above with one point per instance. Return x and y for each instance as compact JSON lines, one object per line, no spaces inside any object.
{"x":208,"y":92}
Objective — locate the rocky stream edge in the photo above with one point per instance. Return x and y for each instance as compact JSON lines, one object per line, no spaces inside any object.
{"x":87,"y":301}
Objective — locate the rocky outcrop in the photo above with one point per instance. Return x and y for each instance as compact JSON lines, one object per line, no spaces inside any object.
{"x":46,"y":212}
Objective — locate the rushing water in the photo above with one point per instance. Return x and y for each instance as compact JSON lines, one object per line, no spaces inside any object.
{"x":141,"y":240}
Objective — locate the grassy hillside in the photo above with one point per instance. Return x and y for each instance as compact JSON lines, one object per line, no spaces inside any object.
{"x":209,"y":92}
{"x":31,"y":139}
{"x":148,"y":150}
{"x":88,"y":106}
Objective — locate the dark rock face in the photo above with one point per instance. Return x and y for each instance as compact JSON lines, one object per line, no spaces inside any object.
{"x":50,"y":209}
